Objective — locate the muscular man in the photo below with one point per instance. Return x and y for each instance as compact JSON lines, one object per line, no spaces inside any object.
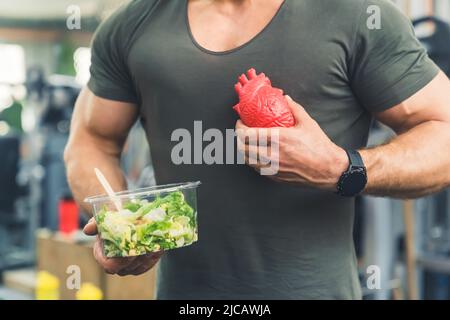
{"x":169,"y":63}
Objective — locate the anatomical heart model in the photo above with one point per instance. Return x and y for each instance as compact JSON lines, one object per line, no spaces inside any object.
{"x":261,"y":105}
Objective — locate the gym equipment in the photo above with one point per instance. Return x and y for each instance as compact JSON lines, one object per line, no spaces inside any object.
{"x":438,"y":43}
{"x":68,"y":217}
{"x":433,"y":247}
{"x":9,"y":190}
{"x":59,"y":97}
{"x":13,"y":242}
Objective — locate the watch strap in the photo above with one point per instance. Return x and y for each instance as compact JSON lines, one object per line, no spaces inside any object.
{"x":356,"y":167}
{"x":355,"y":159}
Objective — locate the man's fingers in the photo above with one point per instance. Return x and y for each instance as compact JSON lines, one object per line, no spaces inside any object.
{"x":241,"y":125}
{"x":111,"y":265}
{"x":138,"y":270}
{"x":258,"y":156}
{"x":146,"y":260}
{"x":253,"y":136}
{"x":146,"y":263}
{"x":153,"y":258}
{"x":251,"y":154}
{"x":141,"y":265}
{"x":90,"y":228}
{"x":299,"y":113}
{"x":126,"y":265}
{"x":142,"y":269}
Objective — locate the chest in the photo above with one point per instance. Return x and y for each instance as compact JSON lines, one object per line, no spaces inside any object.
{"x":180,"y":81}
{"x":221,"y":28}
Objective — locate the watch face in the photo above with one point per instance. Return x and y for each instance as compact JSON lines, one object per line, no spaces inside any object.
{"x":354,"y":182}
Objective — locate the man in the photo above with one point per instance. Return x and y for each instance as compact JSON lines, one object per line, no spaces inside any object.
{"x":288,"y":236}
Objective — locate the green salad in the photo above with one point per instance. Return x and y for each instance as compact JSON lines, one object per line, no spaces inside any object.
{"x":141,"y":226}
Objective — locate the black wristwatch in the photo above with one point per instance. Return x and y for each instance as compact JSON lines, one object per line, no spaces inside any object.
{"x":354,"y":179}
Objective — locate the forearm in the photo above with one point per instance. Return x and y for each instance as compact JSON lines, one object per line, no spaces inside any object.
{"x":80,"y":164}
{"x":413,"y":164}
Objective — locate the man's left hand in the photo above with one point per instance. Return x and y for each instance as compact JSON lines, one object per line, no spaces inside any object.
{"x":305,"y":154}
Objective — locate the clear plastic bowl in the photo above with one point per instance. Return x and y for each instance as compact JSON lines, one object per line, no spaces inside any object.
{"x":151,"y":220}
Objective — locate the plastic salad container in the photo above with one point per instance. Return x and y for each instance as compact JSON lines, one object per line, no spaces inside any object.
{"x":152,"y":219}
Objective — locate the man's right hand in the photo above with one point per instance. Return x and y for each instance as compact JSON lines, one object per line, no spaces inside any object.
{"x":120,"y":266}
{"x":98,"y":131}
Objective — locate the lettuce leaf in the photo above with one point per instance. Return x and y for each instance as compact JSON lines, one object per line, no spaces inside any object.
{"x":137,"y":230}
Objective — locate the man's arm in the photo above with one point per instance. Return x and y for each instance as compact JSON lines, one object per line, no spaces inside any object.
{"x":98,"y":132}
{"x":417,"y":161}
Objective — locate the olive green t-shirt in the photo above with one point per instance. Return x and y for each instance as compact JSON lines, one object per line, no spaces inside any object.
{"x":259,"y":239}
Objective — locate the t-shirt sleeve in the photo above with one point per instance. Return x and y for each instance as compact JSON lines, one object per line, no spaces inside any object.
{"x":110,"y":76}
{"x":389,"y":64}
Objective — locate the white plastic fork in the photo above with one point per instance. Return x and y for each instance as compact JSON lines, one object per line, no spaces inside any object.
{"x":109,"y":191}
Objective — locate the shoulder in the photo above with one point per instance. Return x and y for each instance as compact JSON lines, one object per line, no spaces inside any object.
{"x":368,"y":19}
{"x":355,"y":10}
{"x":358,"y":5}
{"x":132,"y":11}
{"x":349,"y":8}
{"x":124,"y":22}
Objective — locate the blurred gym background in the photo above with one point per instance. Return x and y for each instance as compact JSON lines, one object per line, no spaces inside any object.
{"x":44,"y":62}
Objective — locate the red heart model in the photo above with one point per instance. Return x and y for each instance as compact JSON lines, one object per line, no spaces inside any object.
{"x":261,"y":105}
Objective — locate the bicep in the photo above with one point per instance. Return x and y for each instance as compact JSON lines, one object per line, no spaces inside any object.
{"x":103,"y":122}
{"x":431,"y":103}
